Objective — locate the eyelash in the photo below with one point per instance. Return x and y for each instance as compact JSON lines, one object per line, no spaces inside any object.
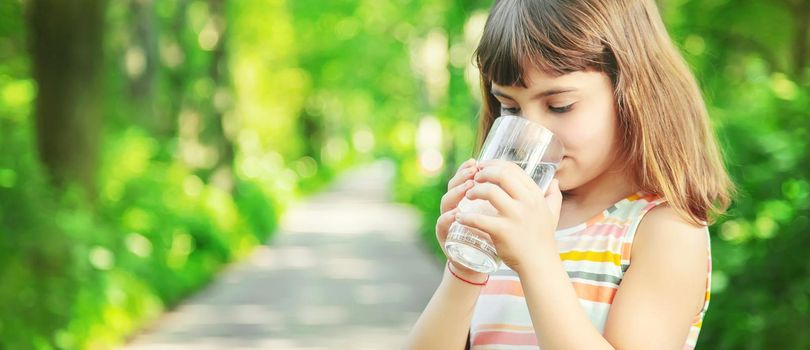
{"x":558,"y":110}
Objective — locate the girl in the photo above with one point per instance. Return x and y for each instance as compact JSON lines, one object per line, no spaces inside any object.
{"x":616,"y":254}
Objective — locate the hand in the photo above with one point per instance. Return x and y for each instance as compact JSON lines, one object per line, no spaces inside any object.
{"x":456,"y":188}
{"x":526,"y":220}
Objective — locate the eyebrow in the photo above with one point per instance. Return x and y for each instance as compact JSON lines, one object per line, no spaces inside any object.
{"x":546,"y":93}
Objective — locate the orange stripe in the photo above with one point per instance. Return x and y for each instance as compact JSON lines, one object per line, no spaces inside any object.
{"x":626,"y":251}
{"x":649,"y":197}
{"x":503,"y":287}
{"x":506,"y":338}
{"x":599,"y":294}
{"x":595,"y":219}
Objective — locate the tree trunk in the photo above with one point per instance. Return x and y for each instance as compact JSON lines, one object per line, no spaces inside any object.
{"x":214,"y":135}
{"x":800,"y":47}
{"x":65,"y":39}
{"x":143,"y":44}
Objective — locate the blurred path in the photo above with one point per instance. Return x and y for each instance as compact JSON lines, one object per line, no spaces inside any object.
{"x":346,"y":271}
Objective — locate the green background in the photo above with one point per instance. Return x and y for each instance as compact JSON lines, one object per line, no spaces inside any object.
{"x":145,"y":144}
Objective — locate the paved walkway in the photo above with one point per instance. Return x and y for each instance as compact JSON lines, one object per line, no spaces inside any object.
{"x":345,"y":271}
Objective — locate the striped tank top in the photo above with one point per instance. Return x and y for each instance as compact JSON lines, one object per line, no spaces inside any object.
{"x":595,"y":254}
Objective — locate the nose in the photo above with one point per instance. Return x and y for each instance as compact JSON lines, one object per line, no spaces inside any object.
{"x":540,"y":117}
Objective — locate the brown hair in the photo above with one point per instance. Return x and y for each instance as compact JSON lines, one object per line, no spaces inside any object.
{"x":662,"y":119}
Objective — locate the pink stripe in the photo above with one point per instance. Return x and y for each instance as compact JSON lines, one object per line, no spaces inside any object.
{"x":601,"y":230}
{"x":591,"y":245}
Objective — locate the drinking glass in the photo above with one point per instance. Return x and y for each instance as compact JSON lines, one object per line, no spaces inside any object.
{"x":515,"y":139}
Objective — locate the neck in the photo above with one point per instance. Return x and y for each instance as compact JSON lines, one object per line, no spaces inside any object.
{"x":607,"y":188}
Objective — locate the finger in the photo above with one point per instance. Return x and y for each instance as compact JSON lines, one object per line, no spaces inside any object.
{"x":496,"y":196}
{"x":507,"y":175}
{"x":461,"y":176}
{"x":554,"y":198}
{"x":443,"y":224}
{"x":553,"y":188}
{"x":467,"y":163}
{"x":451,"y":199}
{"x":492,"y":225}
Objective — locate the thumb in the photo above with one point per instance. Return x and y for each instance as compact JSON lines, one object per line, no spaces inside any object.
{"x":554,"y":198}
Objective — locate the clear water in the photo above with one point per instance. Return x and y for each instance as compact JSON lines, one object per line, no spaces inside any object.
{"x":542,"y":174}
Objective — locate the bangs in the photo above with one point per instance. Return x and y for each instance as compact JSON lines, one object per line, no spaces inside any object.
{"x":520,"y":35}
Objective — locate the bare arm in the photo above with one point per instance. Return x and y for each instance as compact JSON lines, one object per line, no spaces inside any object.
{"x":660,"y":294}
{"x":446,"y":320}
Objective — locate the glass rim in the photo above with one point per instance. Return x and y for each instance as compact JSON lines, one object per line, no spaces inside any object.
{"x":552,"y":140}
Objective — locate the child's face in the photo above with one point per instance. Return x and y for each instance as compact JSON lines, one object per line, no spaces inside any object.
{"x":579,"y":108}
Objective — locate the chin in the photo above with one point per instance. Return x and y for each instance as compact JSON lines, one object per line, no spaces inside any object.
{"x":566,"y":182}
{"x":564,"y":187}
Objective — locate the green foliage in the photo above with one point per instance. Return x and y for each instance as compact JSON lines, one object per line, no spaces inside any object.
{"x":179,"y":194}
{"x":756,"y":80}
{"x":758,"y":92}
{"x":217,"y":118}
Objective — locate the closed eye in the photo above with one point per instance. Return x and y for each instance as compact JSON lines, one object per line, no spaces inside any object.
{"x":516,"y":110}
{"x":560,"y":110}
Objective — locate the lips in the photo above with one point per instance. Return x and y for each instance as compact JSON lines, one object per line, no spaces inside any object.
{"x":562,"y":161}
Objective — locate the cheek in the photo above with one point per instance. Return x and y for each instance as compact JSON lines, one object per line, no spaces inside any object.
{"x":590,"y":141}
{"x":586,"y":134}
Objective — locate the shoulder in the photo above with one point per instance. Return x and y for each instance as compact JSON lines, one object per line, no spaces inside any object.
{"x":664,"y":288}
{"x":678,"y":250}
{"x":662,"y":228}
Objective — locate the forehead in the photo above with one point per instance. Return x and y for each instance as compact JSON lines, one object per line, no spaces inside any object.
{"x":537,"y":79}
